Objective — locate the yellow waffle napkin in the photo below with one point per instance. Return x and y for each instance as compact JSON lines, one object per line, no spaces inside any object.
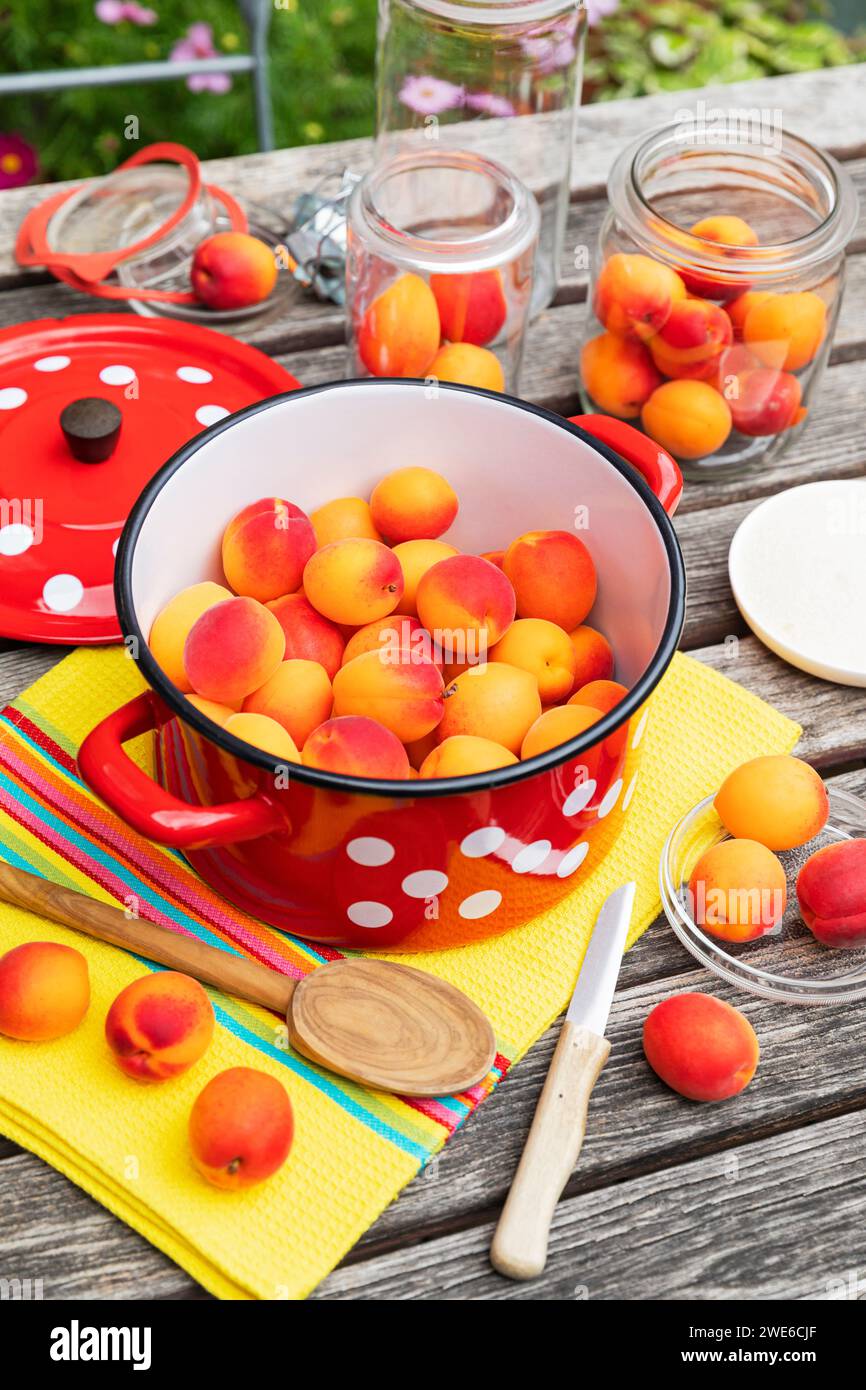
{"x":354,"y":1150}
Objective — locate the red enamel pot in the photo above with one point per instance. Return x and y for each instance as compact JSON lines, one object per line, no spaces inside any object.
{"x":368,"y":863}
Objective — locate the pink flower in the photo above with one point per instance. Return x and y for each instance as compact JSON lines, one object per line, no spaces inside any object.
{"x":116,"y":11}
{"x":598,"y":9}
{"x":199,"y":43}
{"x":18,"y":163}
{"x":490,"y":104}
{"x":429,"y":96}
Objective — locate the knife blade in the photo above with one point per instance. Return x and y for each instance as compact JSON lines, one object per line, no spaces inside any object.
{"x":519,"y":1248}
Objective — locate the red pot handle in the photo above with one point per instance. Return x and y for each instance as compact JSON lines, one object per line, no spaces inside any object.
{"x":153,"y":812}
{"x":653,"y":464}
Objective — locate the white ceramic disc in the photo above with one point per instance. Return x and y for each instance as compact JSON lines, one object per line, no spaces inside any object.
{"x":798,"y":571}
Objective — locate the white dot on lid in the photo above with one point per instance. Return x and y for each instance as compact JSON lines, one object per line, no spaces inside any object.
{"x":114,"y":544}
{"x":15,"y":538}
{"x":369,"y":914}
{"x":610,"y":798}
{"x":52,"y":364}
{"x":62,"y":592}
{"x":425,"y":883}
{"x":626,"y":801}
{"x":196,"y":376}
{"x":209,"y":414}
{"x":11,"y":397}
{"x":531,"y":857}
{"x":487,"y":840}
{"x":370,"y":851}
{"x":572,"y":860}
{"x":480,"y":904}
{"x":117,"y":375}
{"x":640,"y":730}
{"x":579,"y":798}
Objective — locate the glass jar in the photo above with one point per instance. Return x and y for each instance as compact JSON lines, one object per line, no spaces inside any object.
{"x":715,"y":291}
{"x":459,"y":73}
{"x":439,"y":270}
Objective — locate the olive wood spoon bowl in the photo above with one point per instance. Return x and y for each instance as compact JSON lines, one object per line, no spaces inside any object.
{"x":384,"y":1025}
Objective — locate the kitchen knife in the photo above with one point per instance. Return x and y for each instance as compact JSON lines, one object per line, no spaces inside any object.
{"x":519,"y":1248}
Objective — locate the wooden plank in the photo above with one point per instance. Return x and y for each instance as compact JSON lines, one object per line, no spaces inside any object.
{"x":21,"y":666}
{"x":779,"y":1219}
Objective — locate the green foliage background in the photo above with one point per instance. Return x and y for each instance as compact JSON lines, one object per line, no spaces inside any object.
{"x":322,"y":61}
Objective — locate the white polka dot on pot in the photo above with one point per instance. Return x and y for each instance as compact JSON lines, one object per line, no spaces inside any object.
{"x":531,"y":857}
{"x":609,"y":799}
{"x":196,"y":376}
{"x":626,"y":801}
{"x":209,"y":414}
{"x":579,"y":799}
{"x":114,"y":544}
{"x":480,"y":904}
{"x":572,"y":861}
{"x":57,"y":363}
{"x":11,"y":397}
{"x":640,"y":730}
{"x":62,"y":592}
{"x":425,"y":883}
{"x":15,"y":538}
{"x":369,"y":914}
{"x":369,"y":851}
{"x":479,"y":843}
{"x":117,"y":374}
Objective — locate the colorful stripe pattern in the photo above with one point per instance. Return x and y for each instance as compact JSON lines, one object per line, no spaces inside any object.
{"x":51,"y":825}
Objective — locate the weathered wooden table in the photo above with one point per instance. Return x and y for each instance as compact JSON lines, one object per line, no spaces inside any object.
{"x":765,"y":1198}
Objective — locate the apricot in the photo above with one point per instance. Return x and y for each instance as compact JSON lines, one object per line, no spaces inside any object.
{"x":692,"y":340}
{"x":494,"y":556}
{"x":701,"y":1047}
{"x":159,"y":1026}
{"x":472,"y":307}
{"x":354,"y":582}
{"x":309,"y":636}
{"x":831,"y":891}
{"x":404,"y":695}
{"x":343,"y":519}
{"x":232,"y":649}
{"x":600,"y":694}
{"x":466,"y":604}
{"x":469,"y":365}
{"x":553,"y":576}
{"x":634,"y":295}
{"x":413,"y":504}
{"x":738,"y":890}
{"x":737,"y":309}
{"x":172,"y":625}
{"x":778,"y":800}
{"x":400,"y":332}
{"x":211,"y":710}
{"x":395,"y":633}
{"x":494,"y":701}
{"x":544,"y":649}
{"x":240,"y":1128}
{"x":358,"y":747}
{"x":44,"y":991}
{"x":795,"y":322}
{"x":265,"y":548}
{"x":767,"y":402}
{"x":727,"y":231}
{"x":416,"y":558}
{"x":231,"y":270}
{"x":688,"y":418}
{"x":593,"y":655}
{"x":298,"y":696}
{"x":420,"y":748}
{"x":463,"y":754}
{"x":557,"y":726}
{"x":619,"y":374}
{"x":265,"y":733}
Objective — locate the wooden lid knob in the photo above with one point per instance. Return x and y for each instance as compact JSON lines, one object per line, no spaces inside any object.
{"x":91,"y":427}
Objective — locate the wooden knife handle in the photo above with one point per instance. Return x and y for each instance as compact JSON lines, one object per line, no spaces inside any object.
{"x":519,"y":1248}
{"x":236,"y":975}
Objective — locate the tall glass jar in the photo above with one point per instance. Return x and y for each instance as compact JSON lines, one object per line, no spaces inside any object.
{"x":716,"y":289}
{"x":439,"y":270}
{"x":498,"y":77}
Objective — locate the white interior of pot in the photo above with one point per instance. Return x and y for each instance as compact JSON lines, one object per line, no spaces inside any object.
{"x":513,"y":471}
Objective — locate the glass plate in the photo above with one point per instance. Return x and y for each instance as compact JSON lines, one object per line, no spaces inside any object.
{"x":787,"y":963}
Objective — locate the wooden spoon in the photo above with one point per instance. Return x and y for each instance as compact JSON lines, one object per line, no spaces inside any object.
{"x":387,"y":1026}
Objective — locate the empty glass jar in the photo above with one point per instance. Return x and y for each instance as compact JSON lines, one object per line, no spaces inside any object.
{"x":439,"y":270}
{"x":716,"y":289}
{"x":501,"y":78}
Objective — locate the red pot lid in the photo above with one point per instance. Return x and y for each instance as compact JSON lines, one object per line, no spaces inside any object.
{"x":60,"y":518}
